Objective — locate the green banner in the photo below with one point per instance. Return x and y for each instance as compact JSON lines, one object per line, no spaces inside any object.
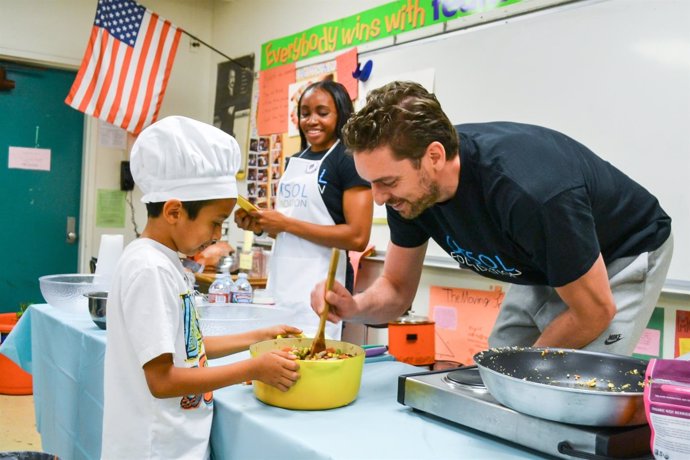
{"x":383,"y":21}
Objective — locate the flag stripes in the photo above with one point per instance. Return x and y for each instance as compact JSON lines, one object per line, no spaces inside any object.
{"x":123,"y":77}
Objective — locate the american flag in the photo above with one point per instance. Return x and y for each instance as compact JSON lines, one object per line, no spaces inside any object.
{"x":126,"y":65}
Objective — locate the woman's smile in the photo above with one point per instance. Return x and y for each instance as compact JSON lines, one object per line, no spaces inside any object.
{"x":318,"y":118}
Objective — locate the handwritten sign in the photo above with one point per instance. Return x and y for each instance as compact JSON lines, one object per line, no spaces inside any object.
{"x":651,"y":343}
{"x":464,"y":319}
{"x":273,"y":99}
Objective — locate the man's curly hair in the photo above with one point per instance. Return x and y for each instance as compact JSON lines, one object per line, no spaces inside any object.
{"x":404,"y":116}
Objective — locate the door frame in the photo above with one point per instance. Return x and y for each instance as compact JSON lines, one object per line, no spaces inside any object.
{"x":87,"y":201}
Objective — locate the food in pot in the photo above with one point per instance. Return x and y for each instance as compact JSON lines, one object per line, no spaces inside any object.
{"x":322,"y":384}
{"x":328,"y":354}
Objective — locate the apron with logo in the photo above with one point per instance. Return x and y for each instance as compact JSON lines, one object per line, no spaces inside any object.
{"x":296,"y":264}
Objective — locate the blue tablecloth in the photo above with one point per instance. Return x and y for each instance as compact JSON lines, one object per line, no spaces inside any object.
{"x":65,"y":351}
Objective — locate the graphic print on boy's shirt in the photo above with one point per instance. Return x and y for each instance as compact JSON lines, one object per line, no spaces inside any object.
{"x":194,"y":349}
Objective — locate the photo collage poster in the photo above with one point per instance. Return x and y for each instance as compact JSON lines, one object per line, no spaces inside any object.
{"x":265,"y":166}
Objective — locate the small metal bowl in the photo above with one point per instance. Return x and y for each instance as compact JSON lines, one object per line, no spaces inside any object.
{"x":97,"y":302}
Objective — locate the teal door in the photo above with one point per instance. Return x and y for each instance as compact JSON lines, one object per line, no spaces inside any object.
{"x":37,"y":204}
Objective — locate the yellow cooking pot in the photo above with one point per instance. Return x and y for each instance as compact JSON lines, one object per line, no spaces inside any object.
{"x":322,"y":384}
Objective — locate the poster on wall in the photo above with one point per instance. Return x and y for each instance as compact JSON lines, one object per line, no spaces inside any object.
{"x":234,"y":83}
{"x":463,"y":321}
{"x":277,"y":167}
{"x":232,"y":108}
{"x":271,"y":112}
{"x":682,"y":333}
{"x":110,"y":208}
{"x":651,"y":343}
{"x":265,"y":166}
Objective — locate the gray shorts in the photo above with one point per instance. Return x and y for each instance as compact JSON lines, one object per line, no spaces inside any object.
{"x":636,"y":283}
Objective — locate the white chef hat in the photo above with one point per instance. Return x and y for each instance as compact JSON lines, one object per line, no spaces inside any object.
{"x":185,"y":159}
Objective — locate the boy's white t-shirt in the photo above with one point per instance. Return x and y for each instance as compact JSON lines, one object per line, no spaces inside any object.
{"x":151,"y":312}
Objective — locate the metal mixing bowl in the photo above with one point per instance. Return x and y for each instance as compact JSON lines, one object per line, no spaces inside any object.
{"x":97,"y":302}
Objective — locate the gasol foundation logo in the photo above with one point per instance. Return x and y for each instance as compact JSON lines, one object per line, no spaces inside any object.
{"x":479,"y":262}
{"x":380,"y":22}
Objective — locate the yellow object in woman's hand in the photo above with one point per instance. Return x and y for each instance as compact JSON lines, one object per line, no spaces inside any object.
{"x":245,"y":204}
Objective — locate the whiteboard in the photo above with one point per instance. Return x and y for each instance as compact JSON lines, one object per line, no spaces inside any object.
{"x":613,"y":74}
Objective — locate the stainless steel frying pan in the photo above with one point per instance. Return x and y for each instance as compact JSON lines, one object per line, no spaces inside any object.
{"x":569,"y":386}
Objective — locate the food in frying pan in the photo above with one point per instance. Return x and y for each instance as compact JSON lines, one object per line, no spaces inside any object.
{"x":631,"y":380}
{"x":569,"y":386}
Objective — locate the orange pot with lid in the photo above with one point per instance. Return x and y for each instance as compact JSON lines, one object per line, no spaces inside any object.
{"x":411,"y":339}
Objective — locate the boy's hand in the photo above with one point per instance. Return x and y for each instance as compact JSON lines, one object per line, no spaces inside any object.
{"x":277,"y":368}
{"x":278,"y":332}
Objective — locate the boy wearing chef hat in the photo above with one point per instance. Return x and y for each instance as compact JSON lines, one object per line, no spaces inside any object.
{"x":158,"y":399}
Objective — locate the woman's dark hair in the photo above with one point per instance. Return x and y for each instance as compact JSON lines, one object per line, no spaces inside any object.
{"x":343,"y":106}
{"x":404,"y":116}
{"x":192,"y":208}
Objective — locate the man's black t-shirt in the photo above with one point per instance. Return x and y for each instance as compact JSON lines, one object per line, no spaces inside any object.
{"x":535,"y":207}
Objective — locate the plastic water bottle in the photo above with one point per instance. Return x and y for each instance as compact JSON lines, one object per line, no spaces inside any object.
{"x":219,"y":291}
{"x":243,"y":292}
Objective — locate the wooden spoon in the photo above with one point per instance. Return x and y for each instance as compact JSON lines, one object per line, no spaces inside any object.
{"x":319,"y":343}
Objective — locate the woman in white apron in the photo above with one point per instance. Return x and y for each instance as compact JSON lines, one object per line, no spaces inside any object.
{"x":321,"y":203}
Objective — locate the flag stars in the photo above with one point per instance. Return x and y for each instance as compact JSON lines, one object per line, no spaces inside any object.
{"x":122,"y":18}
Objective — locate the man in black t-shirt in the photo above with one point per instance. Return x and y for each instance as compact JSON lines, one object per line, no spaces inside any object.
{"x":585,"y":248}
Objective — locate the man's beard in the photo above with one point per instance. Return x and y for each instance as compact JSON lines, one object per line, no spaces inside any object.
{"x":429,"y":197}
